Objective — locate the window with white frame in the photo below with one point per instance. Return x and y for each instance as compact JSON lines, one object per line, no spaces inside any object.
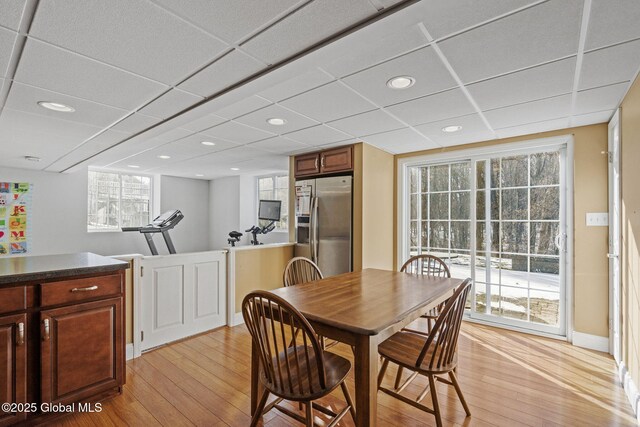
{"x":275,"y":187}
{"x":118,"y":200}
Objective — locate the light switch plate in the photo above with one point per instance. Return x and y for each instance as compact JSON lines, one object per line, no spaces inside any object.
{"x":597,"y":219}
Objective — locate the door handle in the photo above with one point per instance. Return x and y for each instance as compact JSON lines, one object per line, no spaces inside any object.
{"x":20,"y":338}
{"x":322,"y":162}
{"x":316,"y":163}
{"x":610,"y":256}
{"x":47,"y":330}
{"x":87,"y":289}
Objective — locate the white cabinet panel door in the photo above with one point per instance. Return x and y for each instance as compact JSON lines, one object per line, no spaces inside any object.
{"x":182,"y":295}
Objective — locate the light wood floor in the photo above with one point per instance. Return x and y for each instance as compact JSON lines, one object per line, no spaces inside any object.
{"x":508,"y":379}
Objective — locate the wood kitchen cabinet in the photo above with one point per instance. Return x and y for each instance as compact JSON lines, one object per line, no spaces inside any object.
{"x":61,"y":332}
{"x":81,"y":351}
{"x":13,"y":365}
{"x":330,"y":161}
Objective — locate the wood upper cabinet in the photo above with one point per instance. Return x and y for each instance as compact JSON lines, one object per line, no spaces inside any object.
{"x":336,"y":160}
{"x":81,"y":350}
{"x":13,"y":365}
{"x":307,"y":164}
{"x":324,"y":162}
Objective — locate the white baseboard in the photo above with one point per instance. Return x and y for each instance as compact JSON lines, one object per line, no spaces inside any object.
{"x":129,"y":351}
{"x":237,"y":319}
{"x":592,"y":342}
{"x":630,"y":389}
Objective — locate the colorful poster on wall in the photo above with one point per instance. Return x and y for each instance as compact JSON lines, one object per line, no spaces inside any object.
{"x":15,"y":217}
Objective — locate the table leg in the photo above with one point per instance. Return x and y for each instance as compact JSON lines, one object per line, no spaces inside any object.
{"x":366,"y":373}
{"x":256,"y":385}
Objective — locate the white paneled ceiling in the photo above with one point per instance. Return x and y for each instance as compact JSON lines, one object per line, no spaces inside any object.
{"x":154,"y":77}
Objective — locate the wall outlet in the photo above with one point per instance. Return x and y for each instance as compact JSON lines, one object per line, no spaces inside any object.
{"x":597,"y":219}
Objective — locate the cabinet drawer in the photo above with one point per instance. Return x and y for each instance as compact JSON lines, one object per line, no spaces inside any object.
{"x":69,"y":291}
{"x":13,"y":299}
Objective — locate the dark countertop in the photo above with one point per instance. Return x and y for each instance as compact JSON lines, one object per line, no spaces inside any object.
{"x":49,"y":267}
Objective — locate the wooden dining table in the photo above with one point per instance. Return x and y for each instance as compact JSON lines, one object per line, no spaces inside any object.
{"x":361,"y":309}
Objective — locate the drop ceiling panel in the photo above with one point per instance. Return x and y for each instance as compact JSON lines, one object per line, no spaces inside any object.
{"x":375,"y":121}
{"x":58,"y":70}
{"x":329,"y":102}
{"x":531,"y":128}
{"x":48,"y":138}
{"x":452,"y":103}
{"x":400,"y":141}
{"x":472,"y":126}
{"x":611,"y":65}
{"x":11,"y":13}
{"x":442,"y":18}
{"x":539,"y":82}
{"x":314,"y":22}
{"x":7,"y":40}
{"x":296,"y":85}
{"x":135,"y":35}
{"x":192,"y":146}
{"x":25,"y":98}
{"x":203,"y":123}
{"x":242,"y":107}
{"x":170,"y":103}
{"x":279,"y":145}
{"x":230,"y":20}
{"x":224,"y":72}
{"x":424,"y":65}
{"x":318,"y":135}
{"x":135,"y":123}
{"x":93,"y":146}
{"x":236,"y":132}
{"x":602,"y":98}
{"x":358,"y":53}
{"x":536,"y":111}
{"x":294,"y":121}
{"x":539,"y":34}
{"x":612,"y":22}
{"x":592,"y":118}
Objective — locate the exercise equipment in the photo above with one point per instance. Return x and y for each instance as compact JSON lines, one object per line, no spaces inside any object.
{"x":161,"y":224}
{"x":234,"y":236}
{"x":255,"y":230}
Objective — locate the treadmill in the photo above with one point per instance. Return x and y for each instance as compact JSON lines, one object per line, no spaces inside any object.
{"x":161,"y":224}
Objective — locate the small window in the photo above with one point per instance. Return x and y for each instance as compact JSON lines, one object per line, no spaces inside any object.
{"x":275,"y":187}
{"x":118,"y":200}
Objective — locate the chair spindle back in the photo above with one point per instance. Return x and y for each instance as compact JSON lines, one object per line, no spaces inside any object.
{"x":300,"y":270}
{"x":427,"y":265}
{"x":289,"y":365}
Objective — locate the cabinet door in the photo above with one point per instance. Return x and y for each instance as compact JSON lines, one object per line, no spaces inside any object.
{"x":336,"y":160}
{"x":13,"y":365}
{"x":307,"y":164}
{"x":82,"y":350}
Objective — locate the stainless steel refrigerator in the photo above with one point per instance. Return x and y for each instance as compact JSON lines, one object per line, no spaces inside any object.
{"x":324,"y":223}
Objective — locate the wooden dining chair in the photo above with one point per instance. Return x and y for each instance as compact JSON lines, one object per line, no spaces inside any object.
{"x":296,"y":370}
{"x":431,"y":266}
{"x":300,"y":270}
{"x":432,"y":356}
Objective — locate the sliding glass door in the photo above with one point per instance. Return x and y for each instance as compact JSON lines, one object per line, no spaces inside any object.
{"x":501,"y":221}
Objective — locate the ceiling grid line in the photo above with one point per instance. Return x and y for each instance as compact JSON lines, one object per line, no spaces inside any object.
{"x":578,"y":72}
{"x":455,"y":76}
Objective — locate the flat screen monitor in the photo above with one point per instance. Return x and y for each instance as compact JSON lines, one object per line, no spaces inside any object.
{"x":269,"y":210}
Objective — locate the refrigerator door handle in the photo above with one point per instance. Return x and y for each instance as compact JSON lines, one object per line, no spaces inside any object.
{"x":313,"y":241}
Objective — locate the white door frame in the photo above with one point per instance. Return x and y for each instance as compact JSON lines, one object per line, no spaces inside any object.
{"x":613,"y":154}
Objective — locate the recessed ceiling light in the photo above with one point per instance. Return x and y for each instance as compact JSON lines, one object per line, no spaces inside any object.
{"x":164,"y":157}
{"x":208,"y":143}
{"x":32,"y":158}
{"x":276,"y":121}
{"x":401,"y":82}
{"x":235,"y":169}
{"x":56,"y":106}
{"x":450,"y":129}
{"x":199,"y":174}
{"x":133,"y":166}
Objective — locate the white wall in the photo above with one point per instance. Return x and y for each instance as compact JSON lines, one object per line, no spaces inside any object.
{"x":59,"y":216}
{"x":191,"y":197}
{"x":234,"y":206}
